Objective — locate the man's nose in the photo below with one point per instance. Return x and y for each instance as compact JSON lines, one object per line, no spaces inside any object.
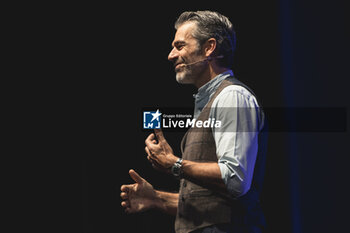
{"x":173,"y":55}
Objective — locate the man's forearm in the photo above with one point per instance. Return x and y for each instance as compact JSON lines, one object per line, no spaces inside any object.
{"x":206,"y":174}
{"x":167,"y":202}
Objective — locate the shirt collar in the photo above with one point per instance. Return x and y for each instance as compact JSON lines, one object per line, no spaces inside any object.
{"x":210,"y":87}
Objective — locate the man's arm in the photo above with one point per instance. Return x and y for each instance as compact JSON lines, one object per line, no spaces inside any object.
{"x":162,"y":158}
{"x":167,"y":202}
{"x":237,"y":139}
{"x":141,"y":196}
{"x":206,"y":174}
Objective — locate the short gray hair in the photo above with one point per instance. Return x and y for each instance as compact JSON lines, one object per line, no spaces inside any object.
{"x":212,"y":24}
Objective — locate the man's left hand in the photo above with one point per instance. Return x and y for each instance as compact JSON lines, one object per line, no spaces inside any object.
{"x":159,"y":153}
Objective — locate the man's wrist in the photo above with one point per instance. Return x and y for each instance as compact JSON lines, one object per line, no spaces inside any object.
{"x":167,"y":202}
{"x":158,"y":201}
{"x":176,"y":169}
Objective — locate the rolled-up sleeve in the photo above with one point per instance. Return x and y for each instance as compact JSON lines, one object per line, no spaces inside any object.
{"x":237,"y":138}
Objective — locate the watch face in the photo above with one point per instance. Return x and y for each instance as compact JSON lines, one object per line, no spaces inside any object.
{"x":176,"y":169}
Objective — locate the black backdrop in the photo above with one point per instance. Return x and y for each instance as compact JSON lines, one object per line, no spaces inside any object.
{"x":120,"y":54}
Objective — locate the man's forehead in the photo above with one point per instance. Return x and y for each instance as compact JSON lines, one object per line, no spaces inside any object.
{"x":184,"y":33}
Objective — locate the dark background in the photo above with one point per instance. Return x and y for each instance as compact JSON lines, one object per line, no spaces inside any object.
{"x":291,"y":53}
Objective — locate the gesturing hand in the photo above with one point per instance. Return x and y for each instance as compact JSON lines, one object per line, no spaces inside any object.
{"x":138,"y":197}
{"x":160,"y":154}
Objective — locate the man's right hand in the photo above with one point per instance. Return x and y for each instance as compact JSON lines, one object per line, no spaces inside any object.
{"x":138,"y":197}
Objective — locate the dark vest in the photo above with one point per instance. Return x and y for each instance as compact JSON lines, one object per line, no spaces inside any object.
{"x":199,"y":206}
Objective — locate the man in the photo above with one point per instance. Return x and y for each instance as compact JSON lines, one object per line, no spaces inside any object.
{"x":221,"y":169}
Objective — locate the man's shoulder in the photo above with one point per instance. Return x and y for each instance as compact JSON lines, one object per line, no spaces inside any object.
{"x":236,"y":89}
{"x":234,"y":94}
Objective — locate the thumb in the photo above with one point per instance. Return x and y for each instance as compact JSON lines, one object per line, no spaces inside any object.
{"x":136,"y":177}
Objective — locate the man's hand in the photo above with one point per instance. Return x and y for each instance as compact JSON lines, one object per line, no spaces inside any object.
{"x":138,"y":197}
{"x":159,"y":154}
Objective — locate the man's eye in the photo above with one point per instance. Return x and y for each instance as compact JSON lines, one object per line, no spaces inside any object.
{"x":179,"y":47}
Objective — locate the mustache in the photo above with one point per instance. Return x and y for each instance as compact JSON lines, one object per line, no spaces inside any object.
{"x":179,"y":61}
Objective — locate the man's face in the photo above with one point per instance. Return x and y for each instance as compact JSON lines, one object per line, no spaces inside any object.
{"x":186,"y":51}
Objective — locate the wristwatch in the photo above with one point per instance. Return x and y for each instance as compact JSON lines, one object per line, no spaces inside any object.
{"x":176,"y":169}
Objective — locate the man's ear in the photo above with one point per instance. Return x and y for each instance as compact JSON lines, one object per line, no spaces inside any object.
{"x":209,"y":47}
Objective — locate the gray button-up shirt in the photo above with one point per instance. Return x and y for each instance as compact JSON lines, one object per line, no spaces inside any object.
{"x":237,"y":139}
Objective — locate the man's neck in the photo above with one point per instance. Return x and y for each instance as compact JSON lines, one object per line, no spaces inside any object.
{"x":209,"y":74}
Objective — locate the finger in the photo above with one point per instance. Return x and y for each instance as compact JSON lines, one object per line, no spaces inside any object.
{"x":124,"y":195}
{"x":149,"y":140}
{"x":147,"y":151}
{"x":151,"y":146}
{"x":125,"y":204}
{"x":136,"y":177}
{"x":150,"y":156}
{"x":159,"y":134}
{"x":126,"y":187}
